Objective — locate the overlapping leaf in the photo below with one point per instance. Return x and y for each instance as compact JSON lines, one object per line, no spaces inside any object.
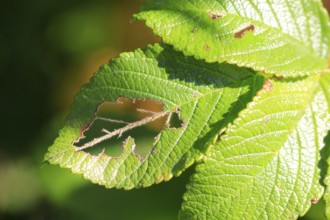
{"x":266,"y":166}
{"x":287,"y":38}
{"x":207,"y":96}
{"x":325,"y":83}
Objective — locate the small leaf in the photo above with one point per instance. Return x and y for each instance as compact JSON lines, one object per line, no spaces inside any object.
{"x":206,"y":96}
{"x":285,"y":38}
{"x":266,"y":166}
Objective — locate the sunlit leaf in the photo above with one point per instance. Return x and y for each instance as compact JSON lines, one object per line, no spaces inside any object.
{"x":266,"y":166}
{"x":325,"y":83}
{"x":285,"y":38}
{"x":206,"y":96}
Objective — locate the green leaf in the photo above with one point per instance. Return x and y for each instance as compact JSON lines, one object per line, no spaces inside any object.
{"x":325,"y":83}
{"x":266,"y":165}
{"x":206,"y":96}
{"x":284,"y":37}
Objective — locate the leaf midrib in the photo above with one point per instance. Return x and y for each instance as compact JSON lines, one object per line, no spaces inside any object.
{"x":201,"y":95}
{"x":308,"y":103}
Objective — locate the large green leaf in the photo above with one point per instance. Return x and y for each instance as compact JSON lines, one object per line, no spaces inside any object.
{"x":282,"y":37}
{"x":206,"y":96}
{"x":266,"y":165}
{"x":326,"y":88}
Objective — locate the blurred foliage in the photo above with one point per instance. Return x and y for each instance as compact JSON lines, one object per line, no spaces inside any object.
{"x":48,"y":50}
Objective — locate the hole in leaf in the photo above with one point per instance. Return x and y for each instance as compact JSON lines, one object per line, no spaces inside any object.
{"x":242,"y":31}
{"x":215,"y":15}
{"x":175,"y":121}
{"x":114,"y":122}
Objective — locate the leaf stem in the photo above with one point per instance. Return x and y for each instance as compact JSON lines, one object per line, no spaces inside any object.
{"x":122,"y":130}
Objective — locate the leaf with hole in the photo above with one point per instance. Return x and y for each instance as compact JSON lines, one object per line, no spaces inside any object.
{"x":206,"y":97}
{"x":242,"y":90}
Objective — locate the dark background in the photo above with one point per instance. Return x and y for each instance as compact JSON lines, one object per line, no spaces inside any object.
{"x":48,"y":49}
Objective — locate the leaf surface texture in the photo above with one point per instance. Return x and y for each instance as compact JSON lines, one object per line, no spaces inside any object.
{"x":203,"y":94}
{"x":266,"y":166}
{"x":282,"y":37}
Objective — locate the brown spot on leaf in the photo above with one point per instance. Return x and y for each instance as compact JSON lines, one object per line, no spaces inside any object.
{"x":207,"y":47}
{"x":215,"y":15}
{"x":242,"y":31}
{"x":268,"y":85}
{"x":315,"y":200}
{"x":278,"y":77}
